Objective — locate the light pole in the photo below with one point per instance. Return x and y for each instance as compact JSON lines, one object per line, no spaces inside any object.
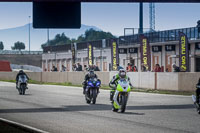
{"x":141,"y":18}
{"x":29,"y":35}
{"x":48,"y":36}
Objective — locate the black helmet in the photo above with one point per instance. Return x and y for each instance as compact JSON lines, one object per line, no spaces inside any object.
{"x":122,"y":73}
{"x":21,"y":71}
{"x":91,"y":74}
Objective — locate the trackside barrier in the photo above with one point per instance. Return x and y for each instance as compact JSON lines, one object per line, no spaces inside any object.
{"x":150,"y":80}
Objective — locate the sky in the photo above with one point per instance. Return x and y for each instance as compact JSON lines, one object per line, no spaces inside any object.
{"x":112,"y":17}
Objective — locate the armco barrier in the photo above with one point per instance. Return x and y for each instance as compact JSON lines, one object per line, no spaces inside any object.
{"x":149,"y":80}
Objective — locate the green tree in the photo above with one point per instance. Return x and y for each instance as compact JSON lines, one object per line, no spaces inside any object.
{"x":93,"y":35}
{"x":81,"y":38}
{"x":18,"y":45}
{"x":90,"y":35}
{"x":73,"y":40}
{"x":1,"y":46}
{"x":60,"y":39}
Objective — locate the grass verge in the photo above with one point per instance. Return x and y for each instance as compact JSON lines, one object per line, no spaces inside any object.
{"x":186,"y":93}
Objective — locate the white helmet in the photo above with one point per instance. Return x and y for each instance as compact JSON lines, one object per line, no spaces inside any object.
{"x":122,"y":73}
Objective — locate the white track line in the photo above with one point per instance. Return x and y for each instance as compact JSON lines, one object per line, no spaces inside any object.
{"x":22,"y":126}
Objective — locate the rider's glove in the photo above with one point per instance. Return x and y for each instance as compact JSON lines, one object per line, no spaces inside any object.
{"x":131,"y":87}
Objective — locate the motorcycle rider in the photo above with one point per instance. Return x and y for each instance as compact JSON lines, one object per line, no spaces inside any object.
{"x":198,"y":92}
{"x":114,"y":81}
{"x":89,"y":75}
{"x":21,"y":72}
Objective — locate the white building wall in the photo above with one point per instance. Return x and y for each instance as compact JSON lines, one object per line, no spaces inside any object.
{"x":124,"y":58}
{"x":177,"y":55}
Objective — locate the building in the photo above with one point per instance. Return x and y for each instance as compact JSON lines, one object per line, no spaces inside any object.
{"x":164,"y":47}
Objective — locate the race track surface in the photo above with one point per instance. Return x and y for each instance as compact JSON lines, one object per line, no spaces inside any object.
{"x":60,"y":109}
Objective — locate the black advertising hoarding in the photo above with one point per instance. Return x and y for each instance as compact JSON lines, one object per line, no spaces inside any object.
{"x":197,"y":46}
{"x":90,"y":54}
{"x":145,"y":53}
{"x":122,"y":51}
{"x":114,"y":55}
{"x":159,"y":1}
{"x":73,"y":53}
{"x":183,"y":53}
{"x":156,"y":48}
{"x":133,"y":50}
{"x":170,"y":47}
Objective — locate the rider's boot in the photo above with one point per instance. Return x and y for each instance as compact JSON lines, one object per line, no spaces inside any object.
{"x":84,"y":90}
{"x":16,"y":86}
{"x":111,"y":95}
{"x":197,"y":95}
{"x":197,"y":100}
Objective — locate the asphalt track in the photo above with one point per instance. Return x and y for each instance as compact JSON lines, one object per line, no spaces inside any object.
{"x":60,"y":109}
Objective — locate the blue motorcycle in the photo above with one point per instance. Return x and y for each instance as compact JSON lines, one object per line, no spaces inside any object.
{"x":92,"y":90}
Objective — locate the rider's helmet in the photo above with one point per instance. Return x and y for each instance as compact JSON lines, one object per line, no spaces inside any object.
{"x":91,"y":74}
{"x":21,"y":71}
{"x":122,"y":73}
{"x":174,"y":65}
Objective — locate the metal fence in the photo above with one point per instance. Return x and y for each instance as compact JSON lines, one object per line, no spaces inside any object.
{"x":20,"y":52}
{"x":161,"y":36}
{"x":154,"y":37}
{"x":55,"y":48}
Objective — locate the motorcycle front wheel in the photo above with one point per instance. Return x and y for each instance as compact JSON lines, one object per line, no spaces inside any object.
{"x":94,"y":95}
{"x":87,"y":99}
{"x":123,"y":103}
{"x":23,"y":89}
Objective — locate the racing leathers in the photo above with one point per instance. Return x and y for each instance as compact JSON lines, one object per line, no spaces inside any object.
{"x":87,"y":78}
{"x":198,"y":92}
{"x":113,"y":84}
{"x":17,"y":77}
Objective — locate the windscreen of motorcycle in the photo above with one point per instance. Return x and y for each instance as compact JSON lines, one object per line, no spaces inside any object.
{"x":123,"y":86}
{"x":22,"y":78}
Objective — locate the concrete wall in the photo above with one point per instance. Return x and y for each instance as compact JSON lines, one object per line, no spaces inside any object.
{"x":8,"y":75}
{"x":34,"y":75}
{"x":167,"y":81}
{"x":188,"y":81}
{"x":104,"y":76}
{"x":58,"y":77}
{"x":164,"y":81}
{"x":140,"y":79}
